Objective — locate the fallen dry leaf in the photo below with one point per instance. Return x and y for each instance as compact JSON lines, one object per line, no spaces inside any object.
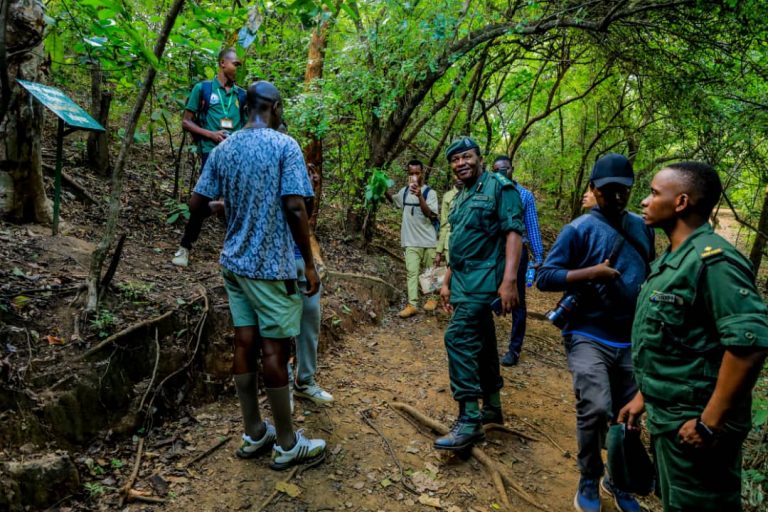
{"x":288,"y":488}
{"x":54,"y":340}
{"x":429,"y":501}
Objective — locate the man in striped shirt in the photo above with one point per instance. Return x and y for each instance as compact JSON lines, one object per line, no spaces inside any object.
{"x":531,"y":238}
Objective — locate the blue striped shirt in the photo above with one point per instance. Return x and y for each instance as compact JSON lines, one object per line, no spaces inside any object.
{"x":531,"y":221}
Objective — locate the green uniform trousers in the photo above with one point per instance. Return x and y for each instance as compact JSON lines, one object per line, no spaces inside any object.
{"x":473,"y":362}
{"x":416,"y":260}
{"x":699,"y":480}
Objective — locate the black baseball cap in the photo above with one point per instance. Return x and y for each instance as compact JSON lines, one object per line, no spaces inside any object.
{"x":612,"y":168}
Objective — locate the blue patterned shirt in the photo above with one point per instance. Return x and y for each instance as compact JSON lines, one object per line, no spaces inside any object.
{"x":531,"y":221}
{"x":252,"y":170}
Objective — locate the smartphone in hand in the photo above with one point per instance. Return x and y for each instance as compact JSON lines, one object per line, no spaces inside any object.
{"x":496,"y":306}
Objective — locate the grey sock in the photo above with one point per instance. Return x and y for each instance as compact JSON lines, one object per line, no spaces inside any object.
{"x":279,"y":400}
{"x":247,"y":385}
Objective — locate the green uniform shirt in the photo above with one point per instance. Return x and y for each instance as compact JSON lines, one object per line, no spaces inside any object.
{"x":222,"y":105}
{"x":481,"y":217}
{"x":697,"y":301}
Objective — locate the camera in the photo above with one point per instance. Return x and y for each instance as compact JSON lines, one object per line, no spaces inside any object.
{"x":559,"y":315}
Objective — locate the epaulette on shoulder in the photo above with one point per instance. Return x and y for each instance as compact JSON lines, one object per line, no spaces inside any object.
{"x":710,"y":248}
{"x":503,"y":180}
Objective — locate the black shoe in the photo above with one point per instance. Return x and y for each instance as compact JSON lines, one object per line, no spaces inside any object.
{"x":492,"y":415}
{"x":510,"y":359}
{"x":464,"y":433}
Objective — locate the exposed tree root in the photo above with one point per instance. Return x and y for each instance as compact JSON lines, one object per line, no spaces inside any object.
{"x":125,"y":332}
{"x":376,"y":281}
{"x":125,"y":491}
{"x":495,"y":470}
{"x":80,"y":190}
{"x":134,"y":495}
{"x":209,"y":451}
{"x":390,"y":252}
{"x":274,"y":494}
{"x":565,"y":452}
{"x":365,"y":414}
{"x":490,"y":427}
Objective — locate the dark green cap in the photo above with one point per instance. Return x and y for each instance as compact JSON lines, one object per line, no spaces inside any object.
{"x":460,"y":145}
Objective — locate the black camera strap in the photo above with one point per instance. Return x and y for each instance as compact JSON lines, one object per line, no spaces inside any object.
{"x":624,"y":236}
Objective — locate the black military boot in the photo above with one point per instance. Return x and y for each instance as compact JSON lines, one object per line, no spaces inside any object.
{"x":464,"y":433}
{"x":492,"y":414}
{"x":466,"y":430}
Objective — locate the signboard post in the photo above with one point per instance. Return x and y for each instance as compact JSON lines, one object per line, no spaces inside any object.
{"x":71,"y":118}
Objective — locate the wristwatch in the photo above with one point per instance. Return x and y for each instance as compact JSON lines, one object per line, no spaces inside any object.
{"x":708,"y":435}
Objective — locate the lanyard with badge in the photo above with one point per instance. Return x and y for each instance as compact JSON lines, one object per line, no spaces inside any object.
{"x":226,"y":122}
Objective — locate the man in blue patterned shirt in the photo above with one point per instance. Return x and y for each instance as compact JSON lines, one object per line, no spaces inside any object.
{"x":261,"y":176}
{"x":532,"y":238}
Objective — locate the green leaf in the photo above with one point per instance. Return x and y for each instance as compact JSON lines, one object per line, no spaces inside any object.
{"x":173,"y":217}
{"x":350,"y":11}
{"x":138,"y":42}
{"x":759,"y":418}
{"x":105,"y":14}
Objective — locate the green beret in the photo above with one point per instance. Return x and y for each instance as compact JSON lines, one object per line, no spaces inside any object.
{"x":460,"y":145}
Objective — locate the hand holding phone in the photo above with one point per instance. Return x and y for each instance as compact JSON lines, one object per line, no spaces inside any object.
{"x":413,"y":184}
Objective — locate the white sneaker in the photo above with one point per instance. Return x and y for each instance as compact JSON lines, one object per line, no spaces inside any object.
{"x":251,"y":448}
{"x":181,"y":258}
{"x":315,"y":393}
{"x":305,"y":451}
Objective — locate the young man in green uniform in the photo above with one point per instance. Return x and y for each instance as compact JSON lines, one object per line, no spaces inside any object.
{"x":699,"y":340}
{"x":221,"y":115}
{"x":485,"y":245}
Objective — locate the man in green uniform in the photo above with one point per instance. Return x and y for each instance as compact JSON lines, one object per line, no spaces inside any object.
{"x":213,"y":111}
{"x":485,"y":246}
{"x":699,"y":340}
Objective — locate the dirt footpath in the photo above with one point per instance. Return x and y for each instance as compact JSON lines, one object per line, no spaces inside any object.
{"x":400,"y":361}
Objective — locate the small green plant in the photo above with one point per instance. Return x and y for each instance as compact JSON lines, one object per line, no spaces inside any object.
{"x":376,"y":187}
{"x":116,"y":463}
{"x":176,"y":210}
{"x":135,"y":291}
{"x":103,"y":322}
{"x":94,"y":489}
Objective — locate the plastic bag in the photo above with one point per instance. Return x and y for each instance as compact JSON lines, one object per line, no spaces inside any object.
{"x":431,"y":280}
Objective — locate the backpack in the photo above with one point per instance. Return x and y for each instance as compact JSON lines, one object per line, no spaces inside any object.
{"x":436,"y":221}
{"x":206,"y":89}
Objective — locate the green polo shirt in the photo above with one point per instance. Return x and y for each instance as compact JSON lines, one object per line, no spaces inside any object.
{"x":697,"y":301}
{"x":481,"y":217}
{"x":222,"y":105}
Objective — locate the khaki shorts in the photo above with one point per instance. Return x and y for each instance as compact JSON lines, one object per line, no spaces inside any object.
{"x":273,"y":306}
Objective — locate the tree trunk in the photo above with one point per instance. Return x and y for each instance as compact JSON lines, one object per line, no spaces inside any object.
{"x":100,"y":253}
{"x":313,"y":151}
{"x":756,"y":254}
{"x":98,"y":142}
{"x":22,"y":190}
